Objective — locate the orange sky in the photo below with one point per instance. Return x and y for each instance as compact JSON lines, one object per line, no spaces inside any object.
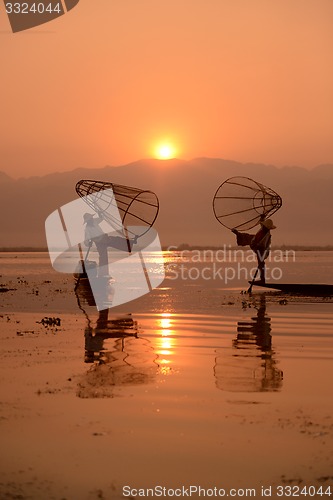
{"x":248,"y":80}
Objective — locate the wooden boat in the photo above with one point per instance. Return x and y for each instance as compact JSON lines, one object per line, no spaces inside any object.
{"x":299,"y":288}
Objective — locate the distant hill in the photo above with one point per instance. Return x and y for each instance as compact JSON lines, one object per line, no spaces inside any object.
{"x":185,"y":190}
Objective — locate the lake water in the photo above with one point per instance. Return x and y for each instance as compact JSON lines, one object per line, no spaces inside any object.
{"x":194,"y":384}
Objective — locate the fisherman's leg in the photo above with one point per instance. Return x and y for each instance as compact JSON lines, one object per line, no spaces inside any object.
{"x":261,"y":267}
{"x":262,"y":271}
{"x":119,"y":243}
{"x":243,"y":239}
{"x":103,"y":256}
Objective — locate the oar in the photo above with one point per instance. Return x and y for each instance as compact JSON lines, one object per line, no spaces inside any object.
{"x":83,"y":264}
{"x":253,"y":280}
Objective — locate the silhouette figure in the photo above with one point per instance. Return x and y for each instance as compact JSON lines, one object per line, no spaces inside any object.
{"x":260,"y":243}
{"x":95,"y":234}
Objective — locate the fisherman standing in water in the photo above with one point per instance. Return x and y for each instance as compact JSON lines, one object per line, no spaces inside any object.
{"x":260,"y":243}
{"x":95,"y":234}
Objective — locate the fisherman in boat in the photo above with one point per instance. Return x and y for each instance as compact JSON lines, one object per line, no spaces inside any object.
{"x":95,"y":234}
{"x":260,"y":243}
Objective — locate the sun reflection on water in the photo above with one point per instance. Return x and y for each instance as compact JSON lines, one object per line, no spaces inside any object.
{"x":165,"y":342}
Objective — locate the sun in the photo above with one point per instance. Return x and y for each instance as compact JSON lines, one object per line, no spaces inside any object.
{"x":165,"y":151}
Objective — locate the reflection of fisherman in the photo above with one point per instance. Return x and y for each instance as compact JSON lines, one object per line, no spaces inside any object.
{"x":118,"y":357}
{"x":257,"y":333}
{"x":116,"y":328}
{"x":95,"y":234}
{"x":251,"y":366}
{"x":260,"y":243}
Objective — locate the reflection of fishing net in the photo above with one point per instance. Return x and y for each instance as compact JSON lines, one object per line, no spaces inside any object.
{"x":136,"y":207}
{"x":241,"y":203}
{"x":249,"y":372}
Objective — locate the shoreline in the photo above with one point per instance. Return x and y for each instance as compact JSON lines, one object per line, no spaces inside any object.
{"x":185,"y":246}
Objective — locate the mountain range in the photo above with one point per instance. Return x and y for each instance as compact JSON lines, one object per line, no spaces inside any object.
{"x":185,"y":190}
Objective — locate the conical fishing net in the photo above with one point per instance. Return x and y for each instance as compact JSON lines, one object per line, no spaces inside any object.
{"x":241,"y":203}
{"x":138,"y":208}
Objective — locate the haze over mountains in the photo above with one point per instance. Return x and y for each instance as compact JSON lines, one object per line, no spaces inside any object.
{"x":185,"y":190}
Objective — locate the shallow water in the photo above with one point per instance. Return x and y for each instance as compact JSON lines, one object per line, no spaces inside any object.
{"x":195,"y":384}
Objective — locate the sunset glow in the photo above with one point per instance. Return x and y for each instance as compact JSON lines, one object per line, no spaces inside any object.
{"x":211,"y":90}
{"x":165,"y":151}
